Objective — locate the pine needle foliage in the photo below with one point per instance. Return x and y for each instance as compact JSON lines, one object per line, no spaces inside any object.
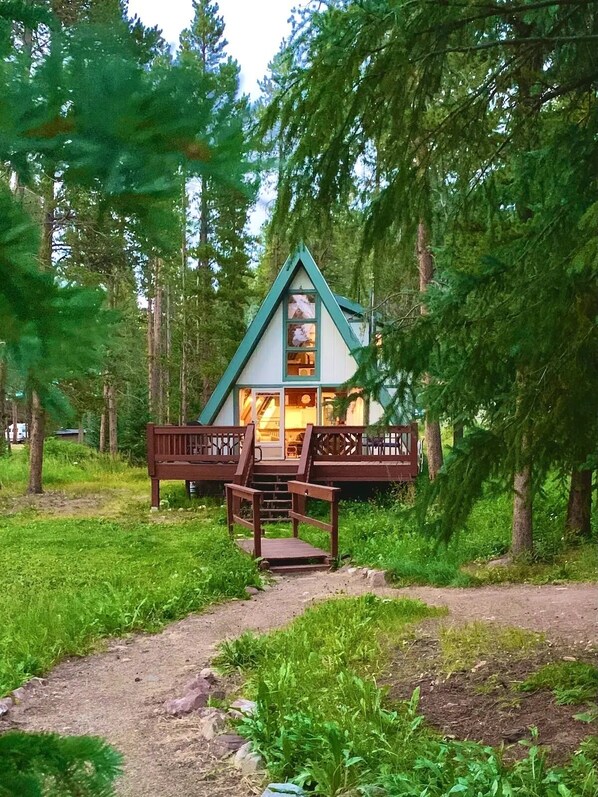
{"x":46,"y":765}
{"x":482,"y":122}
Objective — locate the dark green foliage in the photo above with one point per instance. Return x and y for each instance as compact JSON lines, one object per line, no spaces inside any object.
{"x":46,"y":765}
{"x":481,"y":125}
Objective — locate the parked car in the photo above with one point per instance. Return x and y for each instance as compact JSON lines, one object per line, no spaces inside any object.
{"x":21,"y":433}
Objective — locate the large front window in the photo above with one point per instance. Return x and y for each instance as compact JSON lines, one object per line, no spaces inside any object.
{"x":301,"y":336}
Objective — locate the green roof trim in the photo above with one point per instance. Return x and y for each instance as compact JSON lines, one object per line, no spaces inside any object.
{"x":349,"y":306}
{"x":301,"y":258}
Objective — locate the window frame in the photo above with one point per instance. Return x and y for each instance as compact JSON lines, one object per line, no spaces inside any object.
{"x":286,"y":377}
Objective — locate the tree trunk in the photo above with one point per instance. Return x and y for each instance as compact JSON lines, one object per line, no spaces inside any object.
{"x":579,"y":510}
{"x":81,"y":431}
{"x":36,"y":444}
{"x":150,"y":357}
{"x":112,"y":420}
{"x":4,"y":441}
{"x":15,"y":421}
{"x":522,"y":532}
{"x":166,"y":364}
{"x":156,"y":385}
{"x":457,"y":434}
{"x":102,"y":441}
{"x":183,"y":410}
{"x":426,"y":275}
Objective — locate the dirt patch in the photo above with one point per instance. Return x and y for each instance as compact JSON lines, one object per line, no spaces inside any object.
{"x":55,"y":503}
{"x":484,"y":704}
{"x":119,"y":694}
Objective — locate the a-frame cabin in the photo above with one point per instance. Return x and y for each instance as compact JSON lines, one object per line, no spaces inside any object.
{"x":271,"y":417}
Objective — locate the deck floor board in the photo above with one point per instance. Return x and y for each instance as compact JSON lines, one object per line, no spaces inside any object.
{"x":282,"y":549}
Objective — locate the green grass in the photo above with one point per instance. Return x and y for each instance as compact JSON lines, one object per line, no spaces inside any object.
{"x":323,"y":722}
{"x":463,"y":646}
{"x":70,"y":465}
{"x":73,"y":576}
{"x":571,"y":682}
{"x":65,"y":584}
{"x":386,"y":533}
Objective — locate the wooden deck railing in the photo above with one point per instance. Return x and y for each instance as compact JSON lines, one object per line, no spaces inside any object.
{"x":359,"y":443}
{"x":237,"y":493}
{"x":354,"y":453}
{"x":300,"y":492}
{"x":192,"y":453}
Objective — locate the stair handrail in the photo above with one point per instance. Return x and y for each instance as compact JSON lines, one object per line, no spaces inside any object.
{"x":300,"y":492}
{"x":235,"y":493}
{"x":244,"y":472}
{"x":306,"y":458}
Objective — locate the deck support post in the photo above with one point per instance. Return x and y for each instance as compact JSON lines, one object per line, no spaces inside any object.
{"x":155,"y":492}
{"x":230,"y":522}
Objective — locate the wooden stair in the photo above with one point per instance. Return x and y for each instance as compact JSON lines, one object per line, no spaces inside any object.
{"x":276,"y":499}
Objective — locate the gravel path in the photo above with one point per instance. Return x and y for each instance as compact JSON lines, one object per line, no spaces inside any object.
{"x":118,"y":694}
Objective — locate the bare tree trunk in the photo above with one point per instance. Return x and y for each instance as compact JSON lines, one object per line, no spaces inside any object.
{"x":4,"y":441}
{"x":157,"y":336}
{"x":166,"y":362}
{"x":81,"y":432}
{"x":522,"y":531}
{"x":185,"y":332}
{"x":426,"y":275}
{"x":15,"y":421}
{"x":37,"y":429}
{"x":112,"y":420}
{"x":579,"y":510}
{"x":150,"y":357}
{"x":102,"y":441}
{"x":36,"y":444}
{"x":457,"y":434}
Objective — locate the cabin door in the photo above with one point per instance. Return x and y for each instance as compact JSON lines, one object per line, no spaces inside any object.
{"x":267,"y":416}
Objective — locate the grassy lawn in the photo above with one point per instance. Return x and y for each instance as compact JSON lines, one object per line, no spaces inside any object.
{"x":97,"y":563}
{"x":323,"y":721}
{"x":88,"y":560}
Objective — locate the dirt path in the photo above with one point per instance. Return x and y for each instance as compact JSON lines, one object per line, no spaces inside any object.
{"x":118,"y":694}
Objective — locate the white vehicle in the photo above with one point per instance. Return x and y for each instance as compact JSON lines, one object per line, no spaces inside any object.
{"x":21,"y":432}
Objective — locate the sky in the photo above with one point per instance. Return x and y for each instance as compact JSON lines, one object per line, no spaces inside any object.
{"x":254,"y":29}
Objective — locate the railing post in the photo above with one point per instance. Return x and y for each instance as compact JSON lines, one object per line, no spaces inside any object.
{"x":155,"y":502}
{"x":229,"y":509}
{"x":151,"y":450}
{"x":256,"y":500}
{"x":295,"y":508}
{"x":334,"y":524}
{"x":414,"y":451}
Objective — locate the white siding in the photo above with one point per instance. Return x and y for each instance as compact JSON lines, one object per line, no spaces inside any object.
{"x":336,"y":362}
{"x":226,"y":416}
{"x":359,"y":328}
{"x":301,"y":281}
{"x":264,"y":367}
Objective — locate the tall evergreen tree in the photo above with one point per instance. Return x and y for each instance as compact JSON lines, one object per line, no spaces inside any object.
{"x":470,"y":109}
{"x":220,"y":288}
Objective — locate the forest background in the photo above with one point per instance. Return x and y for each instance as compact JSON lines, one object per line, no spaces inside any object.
{"x":438,"y":159}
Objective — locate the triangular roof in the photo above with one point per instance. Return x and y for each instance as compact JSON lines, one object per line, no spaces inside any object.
{"x":301,"y":258}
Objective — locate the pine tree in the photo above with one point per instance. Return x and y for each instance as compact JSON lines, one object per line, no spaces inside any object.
{"x":219,"y":294}
{"x":469,"y":111}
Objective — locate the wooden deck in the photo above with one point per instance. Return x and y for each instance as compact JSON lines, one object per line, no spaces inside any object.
{"x":329,"y":455}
